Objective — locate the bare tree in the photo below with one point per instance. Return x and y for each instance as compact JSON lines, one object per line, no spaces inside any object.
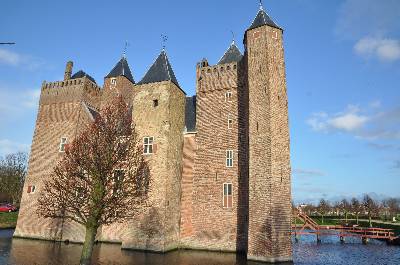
{"x":356,"y":207}
{"x":393,"y":205}
{"x":12,"y":175}
{"x":323,"y":208}
{"x":345,"y":208}
{"x":102,"y":178}
{"x":370,"y":207}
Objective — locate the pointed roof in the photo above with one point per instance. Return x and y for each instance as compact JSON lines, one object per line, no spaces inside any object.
{"x":161,"y":70}
{"x":263,"y":19}
{"x":121,"y":69}
{"x":231,"y":55}
{"x":81,"y":74}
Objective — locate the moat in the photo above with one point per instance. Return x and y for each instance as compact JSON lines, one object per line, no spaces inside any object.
{"x":307,"y":251}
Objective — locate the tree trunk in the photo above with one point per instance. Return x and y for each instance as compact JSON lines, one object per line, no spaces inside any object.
{"x":357,"y":218}
{"x":322,"y":219}
{"x":87,"y":249}
{"x":370,"y":220}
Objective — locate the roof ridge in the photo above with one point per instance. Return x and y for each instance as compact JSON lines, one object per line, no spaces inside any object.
{"x":166,"y":63}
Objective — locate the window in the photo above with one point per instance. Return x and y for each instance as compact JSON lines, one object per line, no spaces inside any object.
{"x":227,"y":201}
{"x":63,"y":143}
{"x":155,"y":103}
{"x":148,"y":145}
{"x":119,"y":176}
{"x":228,"y":96}
{"x":229,"y":158}
{"x":113,"y":81}
{"x":31,"y":189}
{"x":230,"y":123}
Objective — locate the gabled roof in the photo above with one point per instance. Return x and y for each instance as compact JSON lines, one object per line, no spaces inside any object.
{"x":190,"y":114}
{"x":81,"y":74}
{"x":263,"y":19}
{"x":161,"y":70}
{"x":121,"y":69}
{"x":231,"y":55}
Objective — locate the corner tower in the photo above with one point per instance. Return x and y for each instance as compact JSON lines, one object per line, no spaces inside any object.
{"x":269,"y":158}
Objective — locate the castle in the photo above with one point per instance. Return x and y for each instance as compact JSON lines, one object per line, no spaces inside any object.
{"x":220,"y":160}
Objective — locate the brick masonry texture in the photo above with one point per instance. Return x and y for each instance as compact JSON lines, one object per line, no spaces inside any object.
{"x":188,"y":169}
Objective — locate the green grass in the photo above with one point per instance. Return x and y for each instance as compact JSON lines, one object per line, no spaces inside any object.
{"x":8,"y":220}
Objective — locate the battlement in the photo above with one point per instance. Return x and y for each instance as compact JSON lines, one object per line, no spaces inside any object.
{"x":69,"y":91}
{"x":217,"y":77}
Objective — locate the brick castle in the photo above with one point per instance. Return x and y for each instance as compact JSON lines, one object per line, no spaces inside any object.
{"x":220,"y":160}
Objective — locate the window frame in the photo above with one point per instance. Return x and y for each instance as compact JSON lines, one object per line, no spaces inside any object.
{"x":229,"y":157}
{"x":113,"y":81}
{"x":61,"y":147}
{"x":227,"y":184}
{"x":228,"y":98}
{"x":148,"y":145}
{"x":230,"y":122}
{"x":31,"y":189}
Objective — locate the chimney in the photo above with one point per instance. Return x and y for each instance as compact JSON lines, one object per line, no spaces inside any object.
{"x":68,"y":70}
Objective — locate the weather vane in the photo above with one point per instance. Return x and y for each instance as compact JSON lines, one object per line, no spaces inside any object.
{"x":233,"y":37}
{"x":261,"y":4}
{"x":164,"y":39}
{"x":125,"y":48}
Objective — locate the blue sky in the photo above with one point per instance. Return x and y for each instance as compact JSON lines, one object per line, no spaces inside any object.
{"x":342,"y":60}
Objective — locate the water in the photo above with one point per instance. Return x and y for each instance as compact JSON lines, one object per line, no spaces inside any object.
{"x":307,"y":251}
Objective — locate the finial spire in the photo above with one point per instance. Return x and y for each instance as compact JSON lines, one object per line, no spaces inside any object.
{"x":164,"y":39}
{"x":233,"y":37}
{"x":125,"y":48}
{"x":261,"y":5}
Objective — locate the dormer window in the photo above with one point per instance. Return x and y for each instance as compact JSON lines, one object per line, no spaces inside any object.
{"x":113,"y":81}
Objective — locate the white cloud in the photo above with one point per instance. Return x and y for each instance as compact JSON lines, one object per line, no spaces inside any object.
{"x":8,"y":147}
{"x":307,"y":172}
{"x":370,"y":124}
{"x":384,"y":49}
{"x":15,"y":102}
{"x":12,"y":58}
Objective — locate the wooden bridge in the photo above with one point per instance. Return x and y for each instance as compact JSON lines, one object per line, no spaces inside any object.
{"x":310,"y":227}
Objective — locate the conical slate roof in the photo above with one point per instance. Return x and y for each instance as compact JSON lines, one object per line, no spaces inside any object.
{"x":81,"y":74}
{"x":121,"y":69}
{"x":262,"y":19}
{"x":161,"y":70}
{"x":231,"y":55}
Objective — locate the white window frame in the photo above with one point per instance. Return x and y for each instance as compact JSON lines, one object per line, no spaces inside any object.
{"x":229,"y":158}
{"x":148,"y":144}
{"x":223,"y":195}
{"x":228,"y":96}
{"x":113,"y":81}
{"x":63,"y":143}
{"x":230,"y":122}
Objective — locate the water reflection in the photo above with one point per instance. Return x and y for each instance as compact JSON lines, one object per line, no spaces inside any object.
{"x":307,"y":251}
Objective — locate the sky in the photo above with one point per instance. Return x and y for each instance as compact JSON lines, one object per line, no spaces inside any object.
{"x":342,"y":67}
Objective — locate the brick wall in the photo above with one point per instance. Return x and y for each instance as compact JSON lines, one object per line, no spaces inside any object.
{"x":269,"y":161}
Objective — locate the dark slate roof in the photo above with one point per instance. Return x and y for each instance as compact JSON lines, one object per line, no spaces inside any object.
{"x":121,"y":69}
{"x":262,"y":19}
{"x":161,"y":70}
{"x":231,"y":55}
{"x":81,"y":74}
{"x":190,"y":114}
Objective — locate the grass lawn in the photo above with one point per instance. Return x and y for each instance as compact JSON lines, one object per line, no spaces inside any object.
{"x":8,"y":220}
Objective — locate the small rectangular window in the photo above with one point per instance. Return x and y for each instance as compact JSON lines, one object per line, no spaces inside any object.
{"x":113,"y":81}
{"x":148,"y":145}
{"x":228,"y":96}
{"x":227,"y":200}
{"x":31,"y":189}
{"x":63,"y":143}
{"x":119,"y":176}
{"x":229,"y":158}
{"x":155,"y":103}
{"x":230,"y":123}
